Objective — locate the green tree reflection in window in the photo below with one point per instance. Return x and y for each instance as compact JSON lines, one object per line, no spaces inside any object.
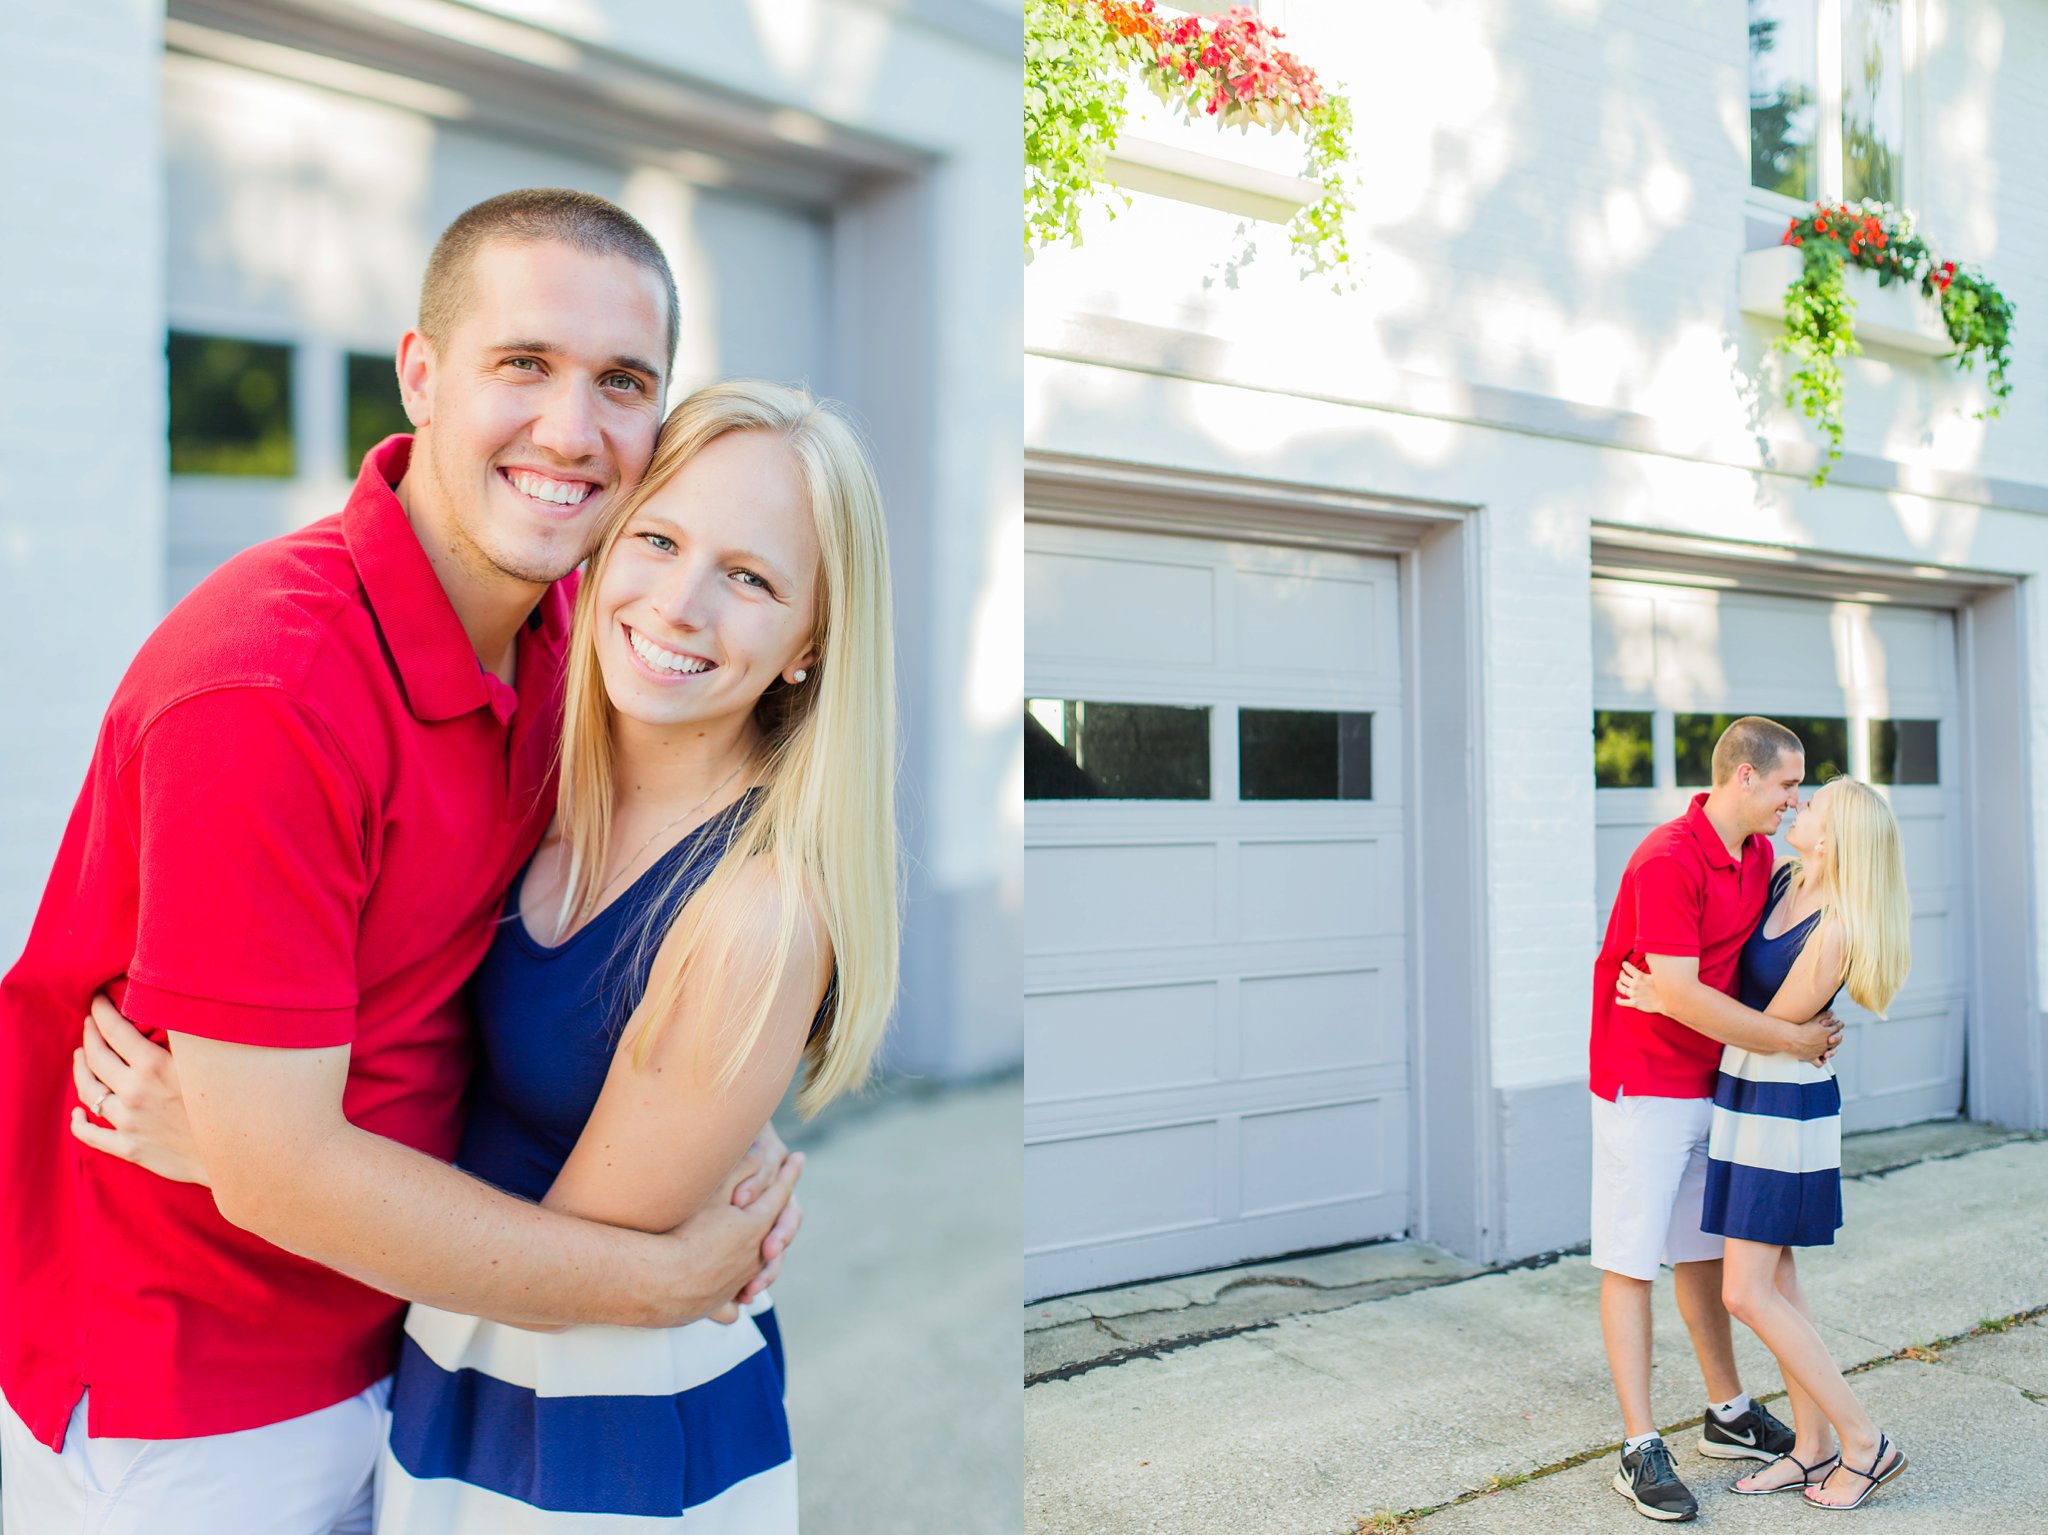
{"x":231,"y":406}
{"x":1873,"y":100}
{"x":1782,"y":99}
{"x":375,"y":407}
{"x":1621,"y":749}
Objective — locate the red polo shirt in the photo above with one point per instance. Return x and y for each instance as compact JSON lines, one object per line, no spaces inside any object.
{"x":303,"y":812}
{"x":1683,"y":895}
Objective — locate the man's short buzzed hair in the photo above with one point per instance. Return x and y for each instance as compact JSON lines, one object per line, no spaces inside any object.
{"x":580,"y":219}
{"x":1755,"y":740}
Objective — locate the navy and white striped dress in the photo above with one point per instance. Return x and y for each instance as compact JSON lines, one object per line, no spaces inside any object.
{"x":499,"y":1431}
{"x":1774,"y":1152}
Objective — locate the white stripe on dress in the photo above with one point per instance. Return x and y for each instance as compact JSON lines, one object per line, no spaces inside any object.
{"x":440,"y":1506}
{"x":1779,"y":1145}
{"x":589,"y":1360}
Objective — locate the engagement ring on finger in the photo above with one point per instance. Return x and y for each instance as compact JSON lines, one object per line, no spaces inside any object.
{"x":101,"y":1102}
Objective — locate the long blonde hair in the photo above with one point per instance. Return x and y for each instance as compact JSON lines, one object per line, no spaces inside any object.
{"x":826,"y":816}
{"x":1867,"y":900}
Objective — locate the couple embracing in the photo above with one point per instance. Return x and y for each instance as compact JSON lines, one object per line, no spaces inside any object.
{"x":1717,"y":1118}
{"x":397,"y":793}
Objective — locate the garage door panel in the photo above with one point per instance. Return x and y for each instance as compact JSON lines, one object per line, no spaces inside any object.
{"x":1124,"y":1184}
{"x":1118,"y":896}
{"x":1118,"y":610}
{"x":1326,"y":1154}
{"x":1313,"y":1023}
{"x":1903,"y":1068}
{"x":1233,"y":962}
{"x":1625,"y":641}
{"x":1760,"y":641}
{"x":1927,"y":841}
{"x":1914,"y":652}
{"x":1295,"y":621}
{"x":1932,"y":963}
{"x":1335,"y":889}
{"x":1119,"y":1040}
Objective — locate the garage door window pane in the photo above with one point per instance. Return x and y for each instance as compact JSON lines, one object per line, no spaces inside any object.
{"x":375,"y":408}
{"x":1904,"y":752}
{"x":1084,"y":750}
{"x":1621,"y":748}
{"x":1303,"y":754}
{"x":1826,"y":740}
{"x":231,"y":406}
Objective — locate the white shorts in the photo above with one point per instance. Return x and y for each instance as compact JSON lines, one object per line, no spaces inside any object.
{"x":310,"y":1475}
{"x":1649,"y":1174}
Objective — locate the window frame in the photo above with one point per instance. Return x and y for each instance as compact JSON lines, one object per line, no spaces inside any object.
{"x":1827,"y":145}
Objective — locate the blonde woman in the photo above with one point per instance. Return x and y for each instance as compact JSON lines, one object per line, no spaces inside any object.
{"x":1837,"y":916}
{"x":715,"y":905}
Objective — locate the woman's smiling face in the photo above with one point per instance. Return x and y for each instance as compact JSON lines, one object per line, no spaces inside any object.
{"x":711,"y":592}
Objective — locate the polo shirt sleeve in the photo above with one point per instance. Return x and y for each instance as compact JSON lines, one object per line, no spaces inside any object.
{"x":1670,"y":903}
{"x":250,"y":832}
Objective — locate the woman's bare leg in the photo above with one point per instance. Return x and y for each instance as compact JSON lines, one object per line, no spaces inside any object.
{"x":1815,"y":1435}
{"x":1750,"y":1277}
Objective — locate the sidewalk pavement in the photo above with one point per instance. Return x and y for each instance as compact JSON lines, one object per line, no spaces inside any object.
{"x":896,"y":1311}
{"x":1395,"y":1388}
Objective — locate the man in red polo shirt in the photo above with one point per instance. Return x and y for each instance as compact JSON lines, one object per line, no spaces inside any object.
{"x":1691,"y":896}
{"x":309,"y":796}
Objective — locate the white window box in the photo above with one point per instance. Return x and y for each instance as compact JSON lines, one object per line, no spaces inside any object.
{"x":1896,"y":317}
{"x":1252,"y":173}
{"x":1210,"y":181}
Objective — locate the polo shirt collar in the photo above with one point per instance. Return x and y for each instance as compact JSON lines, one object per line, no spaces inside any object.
{"x":1710,"y":840}
{"x":436,"y":663}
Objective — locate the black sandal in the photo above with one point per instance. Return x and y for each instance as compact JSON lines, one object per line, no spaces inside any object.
{"x":1873,"y":1476}
{"x":1813,"y":1476}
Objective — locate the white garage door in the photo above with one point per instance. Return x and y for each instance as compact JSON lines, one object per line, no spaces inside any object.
{"x":1872,"y":690}
{"x":1215,"y":991}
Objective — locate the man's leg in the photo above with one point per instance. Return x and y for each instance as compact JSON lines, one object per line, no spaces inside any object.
{"x":1698,"y":1286}
{"x":1637,"y":1165}
{"x":1625,"y":1328}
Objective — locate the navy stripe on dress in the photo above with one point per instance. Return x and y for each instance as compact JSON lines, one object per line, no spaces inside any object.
{"x":686,"y":1449}
{"x":1779,"y":1100}
{"x":1759,"y":1204}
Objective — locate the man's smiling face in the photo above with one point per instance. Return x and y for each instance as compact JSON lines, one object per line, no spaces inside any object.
{"x":539,"y":408}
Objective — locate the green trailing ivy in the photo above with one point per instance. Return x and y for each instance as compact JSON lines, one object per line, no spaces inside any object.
{"x":1079,"y":57}
{"x":1075,"y":67}
{"x":1820,"y":316}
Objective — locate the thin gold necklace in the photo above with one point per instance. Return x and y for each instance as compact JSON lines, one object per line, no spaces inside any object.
{"x":597,"y":901}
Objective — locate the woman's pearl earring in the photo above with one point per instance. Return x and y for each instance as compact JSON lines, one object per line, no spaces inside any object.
{"x":798,"y":675}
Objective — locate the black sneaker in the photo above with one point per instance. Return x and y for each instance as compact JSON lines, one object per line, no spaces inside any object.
{"x":1756,"y":1435}
{"x":1648,"y":1480}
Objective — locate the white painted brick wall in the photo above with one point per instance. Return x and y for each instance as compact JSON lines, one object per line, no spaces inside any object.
{"x":81,"y":405}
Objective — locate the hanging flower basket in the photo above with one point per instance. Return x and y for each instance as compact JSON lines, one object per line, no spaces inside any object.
{"x":1820,"y":314}
{"x":1079,"y":56}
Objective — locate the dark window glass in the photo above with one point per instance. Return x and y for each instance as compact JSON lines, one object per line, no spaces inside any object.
{"x":375,"y":408}
{"x":1826,"y":741}
{"x":231,"y":406}
{"x":1904,"y":752}
{"x":1077,"y":750}
{"x":1303,"y":754}
{"x":1621,"y":748}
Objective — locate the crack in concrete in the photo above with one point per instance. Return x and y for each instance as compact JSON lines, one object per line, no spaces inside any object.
{"x":1158,"y":1350}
